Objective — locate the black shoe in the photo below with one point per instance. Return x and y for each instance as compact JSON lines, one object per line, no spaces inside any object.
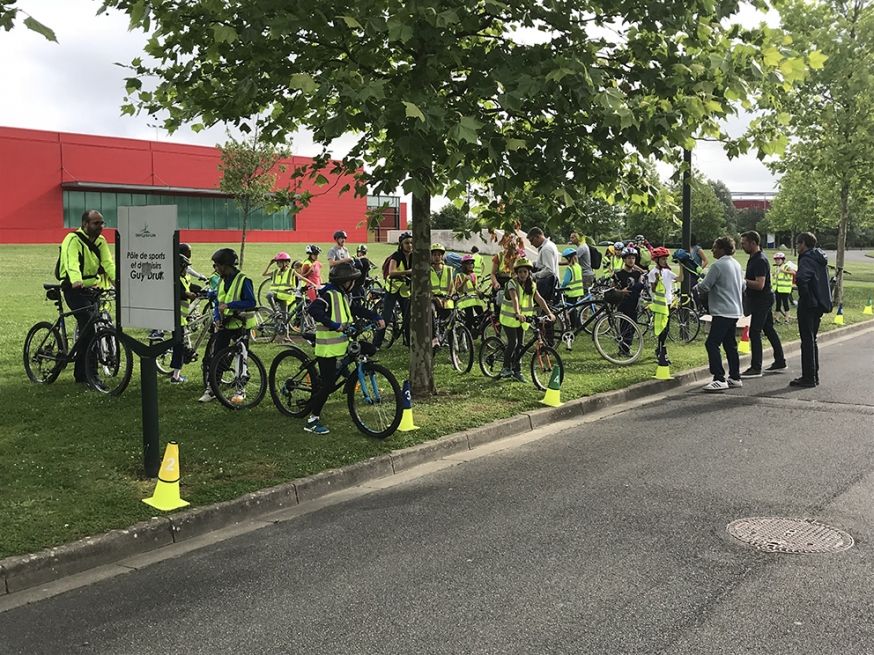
{"x":777,"y":366}
{"x":802,"y":382}
{"x":751,"y":373}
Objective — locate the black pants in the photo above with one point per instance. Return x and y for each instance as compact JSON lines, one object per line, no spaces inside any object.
{"x":388,"y":308}
{"x":546,"y":289}
{"x":784,"y":301}
{"x":84,"y":304}
{"x":514,"y":348}
{"x":808,"y":328}
{"x":626,"y":331}
{"x":218,"y":342}
{"x":722,"y":333}
{"x":327,"y":375}
{"x":762,"y":320}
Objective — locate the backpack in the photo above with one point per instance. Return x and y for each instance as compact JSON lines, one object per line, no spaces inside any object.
{"x":595,"y":258}
{"x":95,"y":250}
{"x":385,"y":267}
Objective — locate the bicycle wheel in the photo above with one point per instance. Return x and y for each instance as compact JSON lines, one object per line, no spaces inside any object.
{"x":374,"y":399}
{"x":108,"y":362}
{"x":644,"y":320}
{"x":266,"y":328}
{"x":43,"y":353}
{"x":585,"y":312}
{"x":460,"y":348}
{"x":292,"y":380}
{"x":491,"y":356}
{"x":238,"y":382}
{"x":684,"y":325}
{"x":543,"y":361}
{"x":263,"y":288}
{"x":617,"y":338}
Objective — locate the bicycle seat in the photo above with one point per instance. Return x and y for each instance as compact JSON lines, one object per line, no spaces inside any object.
{"x":47,"y":287}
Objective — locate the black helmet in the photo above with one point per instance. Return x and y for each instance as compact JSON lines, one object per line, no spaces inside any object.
{"x":340,"y":234}
{"x":344,"y":272}
{"x":185,"y":249}
{"x":362,"y":249}
{"x":184,"y":262}
{"x":404,"y":235}
{"x":312,"y":249}
{"x":225,"y":257}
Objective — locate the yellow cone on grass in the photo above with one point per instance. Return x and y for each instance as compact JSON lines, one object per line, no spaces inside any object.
{"x":663,"y":373}
{"x":869,"y":308}
{"x":552,"y":397}
{"x":407,"y":424}
{"x":839,"y":317}
{"x":166,"y":496}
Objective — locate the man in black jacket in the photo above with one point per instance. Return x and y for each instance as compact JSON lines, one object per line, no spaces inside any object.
{"x":814,"y":300}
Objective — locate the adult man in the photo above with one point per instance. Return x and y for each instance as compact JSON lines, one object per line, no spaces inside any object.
{"x":584,"y":259}
{"x":85,"y":263}
{"x":545,"y":270}
{"x":724,"y":283}
{"x":814,"y":300}
{"x":338,"y":254}
{"x":760,"y":299}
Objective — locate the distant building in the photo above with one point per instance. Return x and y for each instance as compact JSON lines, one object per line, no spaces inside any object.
{"x":48,"y":179}
{"x":752,"y":200}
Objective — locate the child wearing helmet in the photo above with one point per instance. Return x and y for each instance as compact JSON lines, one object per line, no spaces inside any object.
{"x":333,"y":314}
{"x":784,"y":279}
{"x":397,"y":269}
{"x":661,"y":282}
{"x":281,"y":282}
{"x":441,"y":279}
{"x":613,"y":261}
{"x":339,"y":254}
{"x":572,"y":283}
{"x":311,"y":270}
{"x":186,"y":295}
{"x":466,"y":286}
{"x":517,"y":307}
{"x":629,"y":281}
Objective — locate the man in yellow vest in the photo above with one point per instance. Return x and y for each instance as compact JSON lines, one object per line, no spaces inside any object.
{"x":85,"y":264}
{"x":235,"y":311}
{"x":334,"y":315}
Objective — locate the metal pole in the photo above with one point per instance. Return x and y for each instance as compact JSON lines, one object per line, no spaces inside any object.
{"x":149,"y":389}
{"x":687,"y":212}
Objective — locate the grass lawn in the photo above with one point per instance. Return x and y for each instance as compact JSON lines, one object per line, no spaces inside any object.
{"x":70,"y":460}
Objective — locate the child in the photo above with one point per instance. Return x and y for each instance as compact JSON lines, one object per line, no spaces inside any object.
{"x":783,"y":279}
{"x":281,"y":283}
{"x":311,"y":270}
{"x":186,"y":295}
{"x":466,"y":284}
{"x":628,"y":282}
{"x":661,"y":282}
{"x":572,"y":284}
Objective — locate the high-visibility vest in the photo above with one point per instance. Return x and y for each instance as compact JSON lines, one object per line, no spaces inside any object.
{"x":617,"y":263}
{"x":400,"y":285}
{"x":479,"y":266}
{"x":659,"y":303}
{"x":469,"y":296}
{"x":782,"y":281}
{"x":231,"y":293}
{"x":526,"y":304}
{"x":184,"y":303}
{"x":575,"y":288}
{"x":441,"y":284}
{"x":330,"y":343}
{"x":79,"y":264}
{"x":280,"y":282}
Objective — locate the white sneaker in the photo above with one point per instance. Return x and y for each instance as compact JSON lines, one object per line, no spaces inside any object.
{"x":734,"y":384}
{"x":206,"y":397}
{"x":716,"y":385}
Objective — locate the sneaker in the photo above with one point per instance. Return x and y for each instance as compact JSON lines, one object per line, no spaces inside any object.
{"x":178,"y":380}
{"x":777,"y":366}
{"x":315,"y":426}
{"x":518,"y":377}
{"x":206,"y":397}
{"x":505,"y":374}
{"x":751,"y":373}
{"x":802,"y":382}
{"x":735,"y":384}
{"x":716,"y":385}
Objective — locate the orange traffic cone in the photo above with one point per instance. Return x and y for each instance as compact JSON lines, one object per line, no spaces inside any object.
{"x":743,"y":347}
{"x":166,"y":496}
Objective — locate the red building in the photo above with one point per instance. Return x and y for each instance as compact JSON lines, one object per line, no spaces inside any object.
{"x":48,"y":179}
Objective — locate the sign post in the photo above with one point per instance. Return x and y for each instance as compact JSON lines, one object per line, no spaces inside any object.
{"x":148,"y":297}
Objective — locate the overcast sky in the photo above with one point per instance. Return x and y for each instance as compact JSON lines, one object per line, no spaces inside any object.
{"x":75,"y":86}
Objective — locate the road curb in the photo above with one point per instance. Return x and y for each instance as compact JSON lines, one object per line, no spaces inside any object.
{"x":20,"y":572}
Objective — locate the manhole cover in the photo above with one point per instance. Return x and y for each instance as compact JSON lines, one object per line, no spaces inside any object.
{"x":781,"y":535}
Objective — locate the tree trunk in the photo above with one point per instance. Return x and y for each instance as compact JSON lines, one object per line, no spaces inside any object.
{"x":421,"y":358}
{"x":243,"y":236}
{"x":842,"y":242}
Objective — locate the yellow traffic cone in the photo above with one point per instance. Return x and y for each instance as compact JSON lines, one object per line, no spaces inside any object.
{"x":743,"y":346}
{"x":166,"y":496}
{"x":869,"y":309}
{"x":552,"y":397}
{"x":407,"y":417}
{"x":839,"y":317}
{"x":663,"y":373}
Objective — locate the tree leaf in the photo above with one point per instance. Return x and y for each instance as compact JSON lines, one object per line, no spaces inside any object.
{"x":224,"y":33}
{"x":321,"y":180}
{"x":772,"y":57}
{"x":351,"y":23}
{"x":304,"y":82}
{"x":816,"y":60}
{"x":412,"y":111}
{"x":515,"y":144}
{"x":34,"y":25}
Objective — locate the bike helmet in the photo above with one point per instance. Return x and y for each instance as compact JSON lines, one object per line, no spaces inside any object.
{"x":779,"y":255}
{"x":640,"y":238}
{"x":340,"y":234}
{"x":523,"y":262}
{"x":184,"y":262}
{"x":185,"y":249}
{"x":361,"y":250}
{"x":282,"y":257}
{"x":466,"y":259}
{"x":629,"y":251}
{"x":343,"y":273}
{"x":661,"y":251}
{"x":312,"y":249}
{"x":404,"y":236}
{"x":569,"y":252}
{"x":437,"y":247}
{"x":618,"y":246}
{"x":225,"y":257}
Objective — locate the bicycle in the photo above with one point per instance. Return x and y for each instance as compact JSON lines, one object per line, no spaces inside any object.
{"x":617,"y":338}
{"x":544,"y":358}
{"x":234,"y":373}
{"x":108,"y":362}
{"x":373,"y":395}
{"x":487,"y":323}
{"x":451,"y":332}
{"x":200,"y":322}
{"x":684,"y":317}
{"x":273,"y":322}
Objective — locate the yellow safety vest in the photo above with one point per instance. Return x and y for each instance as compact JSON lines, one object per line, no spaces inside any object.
{"x":280,"y":282}
{"x":441,"y":284}
{"x":232,"y":293}
{"x":783,"y":281}
{"x":479,"y":266}
{"x":79,"y":264}
{"x":330,"y":343}
{"x":469,"y":296}
{"x":400,"y":285}
{"x":575,"y":287}
{"x":659,"y":307}
{"x":184,"y":303}
{"x":526,"y":304}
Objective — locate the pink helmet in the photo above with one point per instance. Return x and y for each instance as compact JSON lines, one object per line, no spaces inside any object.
{"x":466,"y":258}
{"x":282,"y":257}
{"x":779,"y":255}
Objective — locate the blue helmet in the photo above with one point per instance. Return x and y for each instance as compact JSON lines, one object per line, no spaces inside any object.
{"x":569,"y":252}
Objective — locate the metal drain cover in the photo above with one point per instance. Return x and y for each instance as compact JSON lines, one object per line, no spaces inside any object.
{"x":774,"y":534}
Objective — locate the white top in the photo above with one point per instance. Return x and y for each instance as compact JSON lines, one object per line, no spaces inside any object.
{"x":668,"y":277}
{"x":337,"y":253}
{"x":547,"y":259}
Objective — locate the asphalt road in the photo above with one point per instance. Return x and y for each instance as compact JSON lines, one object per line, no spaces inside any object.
{"x":606,"y":537}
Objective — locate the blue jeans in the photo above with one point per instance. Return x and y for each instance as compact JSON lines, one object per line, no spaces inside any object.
{"x":722,"y":334}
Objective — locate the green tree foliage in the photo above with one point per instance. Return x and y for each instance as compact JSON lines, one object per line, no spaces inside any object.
{"x":724,"y":195}
{"x":9,"y":13}
{"x":567,"y":98}
{"x":450,"y":217}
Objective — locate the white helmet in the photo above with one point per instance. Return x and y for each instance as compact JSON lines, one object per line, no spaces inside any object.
{"x":618,"y":246}
{"x":629,"y":250}
{"x":779,"y":255}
